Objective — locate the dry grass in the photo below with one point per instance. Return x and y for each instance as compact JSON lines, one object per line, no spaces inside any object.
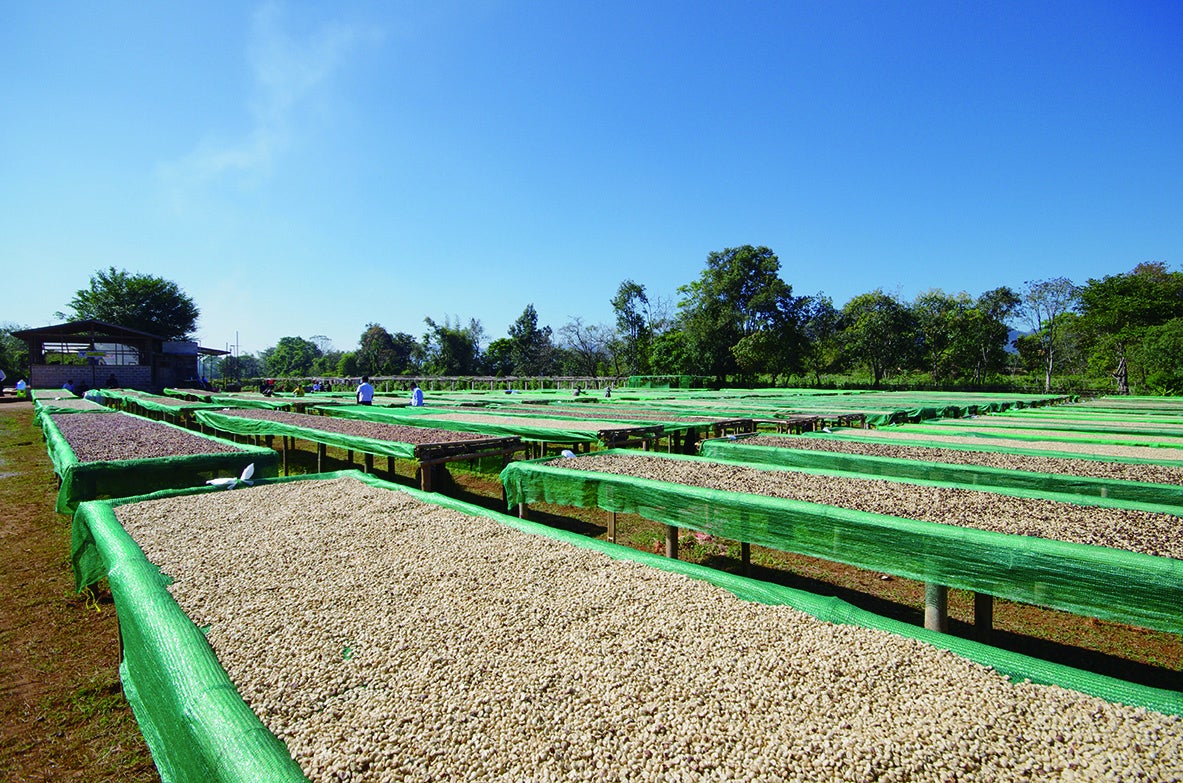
{"x":63,"y":716}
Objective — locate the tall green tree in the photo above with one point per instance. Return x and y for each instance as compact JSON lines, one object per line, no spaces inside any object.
{"x":498,"y":358}
{"x":1117,"y":310}
{"x":14,"y":354}
{"x":823,"y":346}
{"x":879,"y":332}
{"x":1157,"y":358}
{"x":672,"y":354}
{"x":375,"y":351}
{"x":988,"y":330}
{"x":382,"y":353}
{"x":144,"y":302}
{"x":531,"y":347}
{"x":942,"y":321}
{"x":452,"y":348}
{"x":740,"y":317}
{"x":1045,"y":303}
{"x":240,"y":367}
{"x":290,"y":357}
{"x":326,"y":363}
{"x":633,"y":326}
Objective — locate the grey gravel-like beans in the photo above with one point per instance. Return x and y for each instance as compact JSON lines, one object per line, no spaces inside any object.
{"x":398,"y":433}
{"x":1126,"y":471}
{"x":1117,"y":528}
{"x":384,"y":639}
{"x":77,"y":404}
{"x":117,"y":436}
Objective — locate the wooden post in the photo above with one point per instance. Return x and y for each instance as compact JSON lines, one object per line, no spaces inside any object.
{"x":523,"y":511}
{"x":936,"y":607}
{"x":983,"y":616}
{"x":368,"y":463}
{"x":425,"y":477}
{"x":284,"y":452}
{"x":671,"y":541}
{"x":320,"y":455}
{"x":390,"y":465}
{"x":612,"y":526}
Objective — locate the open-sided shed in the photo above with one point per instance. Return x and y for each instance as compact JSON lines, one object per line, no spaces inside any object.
{"x":94,"y":354}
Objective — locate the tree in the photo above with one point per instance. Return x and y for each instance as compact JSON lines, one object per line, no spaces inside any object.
{"x":530,"y":346}
{"x":14,"y":353}
{"x":584,"y":347}
{"x":633,"y":326}
{"x":326,"y":363}
{"x":498,"y":359}
{"x":238,"y":367}
{"x":375,"y":351}
{"x":820,"y":329}
{"x":987,"y":330}
{"x":879,"y":331}
{"x":382,"y":353}
{"x":347,"y":365}
{"x":452,"y":349}
{"x":671,"y":354}
{"x":942,"y":322}
{"x":291,"y":357}
{"x":739,"y":295}
{"x":1044,"y":304}
{"x":1157,"y":356}
{"x":143,"y":302}
{"x":1117,"y":311}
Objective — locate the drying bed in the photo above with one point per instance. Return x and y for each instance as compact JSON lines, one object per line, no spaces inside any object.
{"x":121,"y":454}
{"x":371,"y":437}
{"x":959,"y":454}
{"x":415,"y":640}
{"x":1102,"y":567}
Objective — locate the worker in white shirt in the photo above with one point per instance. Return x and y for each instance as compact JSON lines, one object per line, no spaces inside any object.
{"x":365,"y":392}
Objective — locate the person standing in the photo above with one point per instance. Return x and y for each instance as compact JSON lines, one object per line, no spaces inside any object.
{"x":416,"y":395}
{"x":365,"y":392}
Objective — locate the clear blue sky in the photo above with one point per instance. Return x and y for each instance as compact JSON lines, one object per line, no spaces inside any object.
{"x":307,"y":168}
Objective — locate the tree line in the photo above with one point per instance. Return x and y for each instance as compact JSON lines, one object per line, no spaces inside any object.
{"x":740,"y":324}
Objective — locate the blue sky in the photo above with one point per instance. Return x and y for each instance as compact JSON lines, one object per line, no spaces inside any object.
{"x":309,"y":168}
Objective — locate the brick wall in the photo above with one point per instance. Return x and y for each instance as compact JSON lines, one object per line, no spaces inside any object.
{"x":127,"y":376}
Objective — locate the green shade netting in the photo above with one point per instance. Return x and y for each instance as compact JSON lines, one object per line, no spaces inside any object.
{"x":240,"y":425}
{"x":178,"y":408}
{"x":986,"y":430}
{"x":884,"y":437}
{"x":1077,"y":416}
{"x":193,"y":719}
{"x":47,"y":407}
{"x":199,"y":729}
{"x":577,"y":417}
{"x":123,"y":478}
{"x":230,"y":401}
{"x":1112,"y":493}
{"x":878,"y":408}
{"x":1095,"y":581}
{"x":525,"y":427}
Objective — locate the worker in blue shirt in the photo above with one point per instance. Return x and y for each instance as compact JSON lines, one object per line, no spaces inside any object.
{"x":416,"y":395}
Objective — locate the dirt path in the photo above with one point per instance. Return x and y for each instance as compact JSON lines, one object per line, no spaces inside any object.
{"x":62,"y":713}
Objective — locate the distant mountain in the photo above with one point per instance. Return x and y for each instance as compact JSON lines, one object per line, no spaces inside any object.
{"x":1011,"y":336}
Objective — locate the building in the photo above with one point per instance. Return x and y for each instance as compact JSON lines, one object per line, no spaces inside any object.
{"x":89,"y":353}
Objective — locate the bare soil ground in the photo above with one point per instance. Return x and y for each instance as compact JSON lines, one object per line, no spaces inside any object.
{"x":62,"y":716}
